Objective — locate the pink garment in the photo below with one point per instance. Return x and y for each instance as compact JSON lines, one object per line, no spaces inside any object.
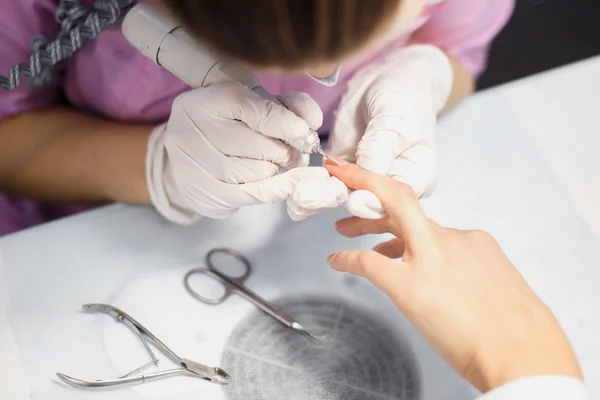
{"x":108,"y":77}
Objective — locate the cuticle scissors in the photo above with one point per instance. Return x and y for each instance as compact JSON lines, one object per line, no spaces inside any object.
{"x":235,"y":284}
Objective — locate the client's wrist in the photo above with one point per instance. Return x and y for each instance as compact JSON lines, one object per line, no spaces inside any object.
{"x":539,"y":347}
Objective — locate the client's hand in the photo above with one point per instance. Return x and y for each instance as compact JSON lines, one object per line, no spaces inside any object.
{"x":457,"y":288}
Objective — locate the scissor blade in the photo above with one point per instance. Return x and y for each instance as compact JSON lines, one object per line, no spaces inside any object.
{"x":300,"y":329}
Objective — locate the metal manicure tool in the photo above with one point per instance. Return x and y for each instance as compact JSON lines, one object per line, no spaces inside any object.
{"x":188,"y":367}
{"x":236,"y":285}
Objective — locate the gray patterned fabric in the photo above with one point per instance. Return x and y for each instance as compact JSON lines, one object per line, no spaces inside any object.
{"x":79,"y":23}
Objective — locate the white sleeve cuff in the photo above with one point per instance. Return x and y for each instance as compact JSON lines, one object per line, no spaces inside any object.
{"x":543,"y":387}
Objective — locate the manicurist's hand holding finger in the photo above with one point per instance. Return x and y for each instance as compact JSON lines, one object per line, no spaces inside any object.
{"x":223,"y":148}
{"x":457,"y":288}
{"x":386,"y":123}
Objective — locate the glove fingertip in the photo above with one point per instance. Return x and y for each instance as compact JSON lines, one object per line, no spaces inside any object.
{"x":295,"y":212}
{"x":364,"y":204}
{"x":297,"y":217}
{"x":305,"y":107}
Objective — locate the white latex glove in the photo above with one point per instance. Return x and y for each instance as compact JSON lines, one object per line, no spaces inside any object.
{"x":386,"y":123}
{"x":220,"y":151}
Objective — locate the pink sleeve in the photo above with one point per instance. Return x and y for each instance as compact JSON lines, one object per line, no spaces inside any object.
{"x":19,"y":22}
{"x":465,"y":29}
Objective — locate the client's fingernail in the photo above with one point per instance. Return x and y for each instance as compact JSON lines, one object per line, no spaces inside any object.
{"x":340,"y":161}
{"x":331,"y":258}
{"x":378,"y":247}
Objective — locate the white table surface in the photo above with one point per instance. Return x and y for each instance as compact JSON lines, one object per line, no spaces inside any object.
{"x":519,"y":160}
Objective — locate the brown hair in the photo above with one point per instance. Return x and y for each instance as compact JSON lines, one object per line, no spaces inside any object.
{"x":283,"y":33}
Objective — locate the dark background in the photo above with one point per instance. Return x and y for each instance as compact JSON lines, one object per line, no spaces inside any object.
{"x":541,"y":35}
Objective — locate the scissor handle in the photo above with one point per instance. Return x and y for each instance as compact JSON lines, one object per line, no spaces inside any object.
{"x":236,"y":254}
{"x":216,"y":275}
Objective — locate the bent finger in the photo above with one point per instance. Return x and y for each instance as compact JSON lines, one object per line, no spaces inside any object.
{"x":383,"y":272}
{"x":355,"y":227}
{"x":297,"y":213}
{"x":398,"y":198}
{"x":276,"y":188}
{"x":304,"y":106}
{"x":323,"y":193}
{"x":236,"y":102}
{"x":392,"y":248}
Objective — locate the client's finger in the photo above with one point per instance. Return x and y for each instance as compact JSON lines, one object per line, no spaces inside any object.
{"x":392,"y":248}
{"x":398,"y":199}
{"x":384,"y":273}
{"x":360,"y":179}
{"x":354,"y":226}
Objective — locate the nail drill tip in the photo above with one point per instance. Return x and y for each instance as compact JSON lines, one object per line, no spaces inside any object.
{"x":327,"y":156}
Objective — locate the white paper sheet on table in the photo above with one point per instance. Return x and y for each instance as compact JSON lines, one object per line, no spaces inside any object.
{"x":11,"y":366}
{"x":93,"y":346}
{"x":133,"y":260}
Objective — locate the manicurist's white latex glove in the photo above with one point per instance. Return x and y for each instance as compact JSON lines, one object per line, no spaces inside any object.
{"x":386,"y":123}
{"x":220,"y":151}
